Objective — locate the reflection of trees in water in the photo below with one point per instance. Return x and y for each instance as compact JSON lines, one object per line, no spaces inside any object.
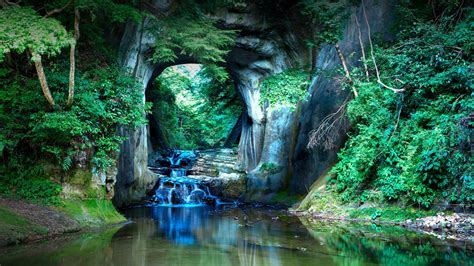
{"x":235,"y":237}
{"x":388,"y":245}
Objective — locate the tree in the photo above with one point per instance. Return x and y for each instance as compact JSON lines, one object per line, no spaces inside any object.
{"x":22,"y":29}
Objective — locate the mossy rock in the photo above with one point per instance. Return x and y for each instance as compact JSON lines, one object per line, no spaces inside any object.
{"x":95,"y":192}
{"x":92,"y":212}
{"x":79,"y":177}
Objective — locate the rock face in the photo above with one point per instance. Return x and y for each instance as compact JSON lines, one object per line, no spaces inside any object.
{"x":272,"y":147}
{"x":260,"y":50}
{"x":218,"y":168}
{"x":272,"y":174}
{"x":327,"y":95}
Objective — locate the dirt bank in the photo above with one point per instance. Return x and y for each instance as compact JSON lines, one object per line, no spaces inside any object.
{"x":23,"y":222}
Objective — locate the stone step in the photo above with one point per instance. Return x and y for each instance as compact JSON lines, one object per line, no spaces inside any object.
{"x":215,"y":164}
{"x":214,"y":158}
{"x":216,"y":161}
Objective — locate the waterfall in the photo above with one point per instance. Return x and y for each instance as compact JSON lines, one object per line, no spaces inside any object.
{"x":179,"y":189}
{"x":177,"y":172}
{"x":182,"y":191}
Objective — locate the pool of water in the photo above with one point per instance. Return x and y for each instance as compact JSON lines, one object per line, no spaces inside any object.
{"x":224,"y":235}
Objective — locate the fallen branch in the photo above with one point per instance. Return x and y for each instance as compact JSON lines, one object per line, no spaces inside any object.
{"x":346,"y":70}
{"x":326,"y":132}
{"x":364,"y":59}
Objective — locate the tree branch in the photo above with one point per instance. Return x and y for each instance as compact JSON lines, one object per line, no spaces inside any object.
{"x":72,"y":59}
{"x":364,"y":59}
{"x":346,"y":70}
{"x":58,"y":10}
{"x":6,"y":3}
{"x":326,"y":132}
{"x":42,"y":77}
{"x":379,"y":81}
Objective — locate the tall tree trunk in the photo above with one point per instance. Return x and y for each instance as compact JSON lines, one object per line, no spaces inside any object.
{"x":42,"y":78}
{"x":72,"y":59}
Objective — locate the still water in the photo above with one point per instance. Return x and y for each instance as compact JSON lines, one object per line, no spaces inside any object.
{"x":207,"y":235}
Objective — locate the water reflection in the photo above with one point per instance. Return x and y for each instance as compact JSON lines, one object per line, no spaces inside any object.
{"x":213,"y":236}
{"x":178,"y":224}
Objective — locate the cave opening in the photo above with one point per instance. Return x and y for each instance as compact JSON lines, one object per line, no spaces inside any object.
{"x":192,"y":109}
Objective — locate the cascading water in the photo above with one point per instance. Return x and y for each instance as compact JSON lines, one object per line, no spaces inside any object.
{"x":178,"y":189}
{"x":182,"y":190}
{"x":177,"y":172}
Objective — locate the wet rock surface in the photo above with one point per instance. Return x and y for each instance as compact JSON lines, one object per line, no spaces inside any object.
{"x":219,"y":168}
{"x":213,"y":171}
{"x":455,"y":226}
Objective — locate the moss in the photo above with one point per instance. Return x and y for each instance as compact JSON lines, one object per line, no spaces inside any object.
{"x":328,"y":202}
{"x":270,"y":168}
{"x":392,"y":213}
{"x":93,"y":192}
{"x":79,"y":177}
{"x":283,"y":197}
{"x":92,"y":212}
{"x":14,"y":227}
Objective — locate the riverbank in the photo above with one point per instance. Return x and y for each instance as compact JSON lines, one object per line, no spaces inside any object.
{"x":459,"y":227}
{"x":25,"y":222}
{"x":323,"y":205}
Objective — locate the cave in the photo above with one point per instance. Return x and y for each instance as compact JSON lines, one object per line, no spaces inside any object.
{"x":191,"y":110}
{"x":265,"y":45}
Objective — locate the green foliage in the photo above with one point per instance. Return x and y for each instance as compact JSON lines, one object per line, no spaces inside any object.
{"x":34,"y":137}
{"x":105,"y":99}
{"x":189,"y":33}
{"x":328,"y":17}
{"x":391,"y":214}
{"x":286,"y":88}
{"x":414,"y":147}
{"x":200,"y":39}
{"x":270,"y":168}
{"x":193,"y":109}
{"x":29,"y":183}
{"x":21,"y":28}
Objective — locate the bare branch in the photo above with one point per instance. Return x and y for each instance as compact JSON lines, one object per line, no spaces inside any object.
{"x":379,"y":81}
{"x":58,"y":10}
{"x":327,"y":131}
{"x":364,"y":59}
{"x":346,"y":70}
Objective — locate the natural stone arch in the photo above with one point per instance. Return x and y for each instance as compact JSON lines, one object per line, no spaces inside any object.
{"x":268,"y":136}
{"x":260,"y":51}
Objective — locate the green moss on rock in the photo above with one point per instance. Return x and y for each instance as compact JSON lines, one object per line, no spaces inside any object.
{"x":79,"y":177}
{"x":92,"y":212}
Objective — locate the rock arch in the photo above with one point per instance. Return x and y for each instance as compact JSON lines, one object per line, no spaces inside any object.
{"x":265,"y":45}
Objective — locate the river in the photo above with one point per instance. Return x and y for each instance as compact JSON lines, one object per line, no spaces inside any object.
{"x":226,"y":235}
